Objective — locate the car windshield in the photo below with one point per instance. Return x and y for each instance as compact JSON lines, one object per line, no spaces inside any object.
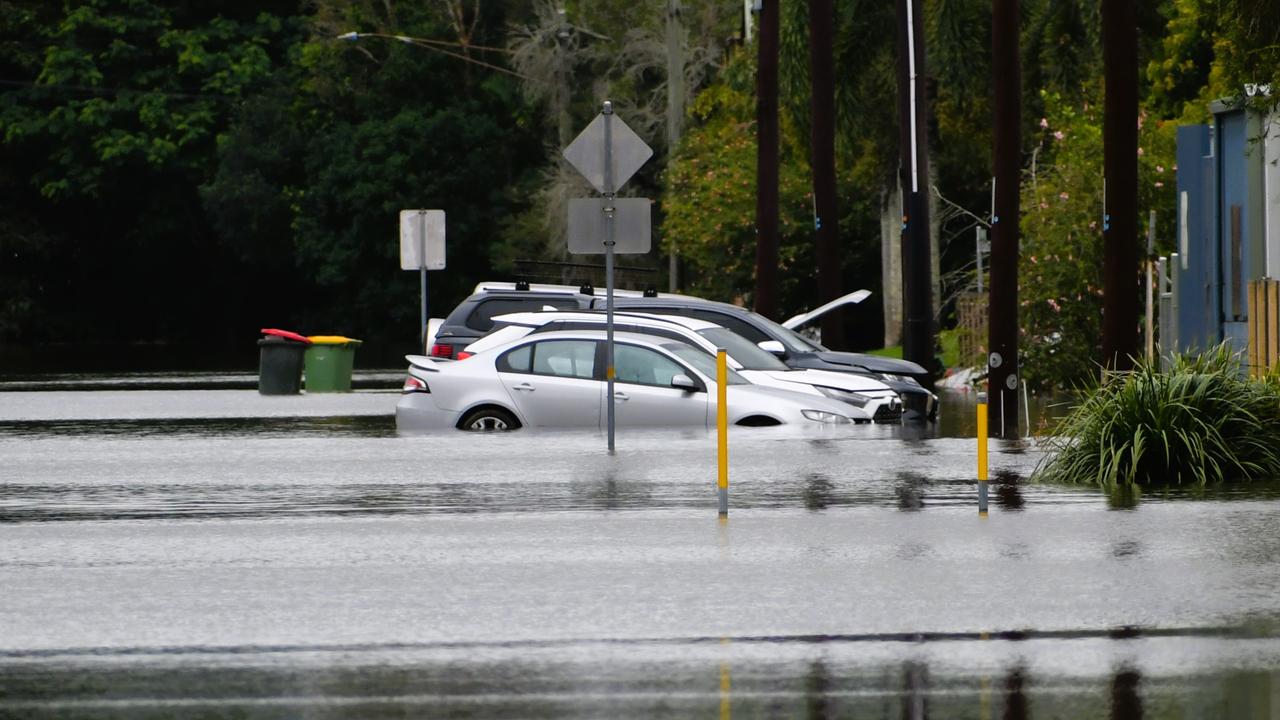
{"x":702,"y":362}
{"x":792,"y":339}
{"x":743,"y":351}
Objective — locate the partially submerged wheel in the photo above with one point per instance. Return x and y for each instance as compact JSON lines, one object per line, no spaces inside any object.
{"x":488,"y":419}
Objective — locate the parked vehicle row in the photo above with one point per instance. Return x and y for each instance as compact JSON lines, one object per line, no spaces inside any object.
{"x":664,"y":366}
{"x":556,"y":379}
{"x":870,"y":398}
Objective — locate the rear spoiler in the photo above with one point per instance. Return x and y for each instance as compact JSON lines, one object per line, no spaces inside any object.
{"x":422,"y":362}
{"x":852,"y":298}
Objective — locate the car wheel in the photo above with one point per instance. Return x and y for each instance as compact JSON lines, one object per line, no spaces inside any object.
{"x":488,"y":419}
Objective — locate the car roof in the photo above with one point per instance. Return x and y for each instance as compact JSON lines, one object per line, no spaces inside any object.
{"x":500,"y":286}
{"x":645,"y":319}
{"x":676,"y":300}
{"x":601,"y":334}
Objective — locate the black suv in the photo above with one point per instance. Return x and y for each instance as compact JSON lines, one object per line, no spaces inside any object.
{"x":795,"y":350}
{"x":472,"y":319}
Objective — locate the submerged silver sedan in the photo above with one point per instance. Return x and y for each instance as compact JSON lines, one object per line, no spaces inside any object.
{"x":556,"y":379}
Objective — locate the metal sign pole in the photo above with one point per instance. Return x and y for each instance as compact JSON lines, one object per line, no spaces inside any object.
{"x":608,"y":261}
{"x":422,"y":276}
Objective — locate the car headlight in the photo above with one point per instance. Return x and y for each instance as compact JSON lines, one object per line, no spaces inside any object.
{"x":900,"y":378}
{"x":853,"y":398}
{"x":823,"y":416}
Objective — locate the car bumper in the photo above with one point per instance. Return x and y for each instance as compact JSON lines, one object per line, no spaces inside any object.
{"x":417,"y":413}
{"x":919,"y":406}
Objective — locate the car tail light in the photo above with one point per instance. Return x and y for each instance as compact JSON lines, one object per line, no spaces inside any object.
{"x":442,"y":351}
{"x":413,"y":384}
{"x":463,"y":354}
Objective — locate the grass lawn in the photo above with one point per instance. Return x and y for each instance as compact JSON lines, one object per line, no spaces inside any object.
{"x":950,"y":349}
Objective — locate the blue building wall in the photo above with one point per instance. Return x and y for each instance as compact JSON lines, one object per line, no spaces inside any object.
{"x":1197,"y":264}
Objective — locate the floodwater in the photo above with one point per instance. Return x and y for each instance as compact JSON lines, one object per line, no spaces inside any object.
{"x":174,"y":553}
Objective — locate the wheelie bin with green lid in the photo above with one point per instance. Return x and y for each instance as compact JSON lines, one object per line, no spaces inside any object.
{"x":280,"y":359}
{"x":329,"y":361}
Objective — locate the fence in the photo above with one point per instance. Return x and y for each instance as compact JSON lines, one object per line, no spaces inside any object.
{"x":971,"y":329}
{"x":1264,"y":325}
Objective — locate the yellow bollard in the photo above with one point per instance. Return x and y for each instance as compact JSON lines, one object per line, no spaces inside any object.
{"x":722,"y":429}
{"x":982,"y":454}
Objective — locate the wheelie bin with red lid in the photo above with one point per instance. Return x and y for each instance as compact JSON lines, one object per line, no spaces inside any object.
{"x":280,"y":360}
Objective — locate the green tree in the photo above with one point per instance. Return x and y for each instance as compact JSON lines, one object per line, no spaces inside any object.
{"x":107,"y":129}
{"x":709,"y":198}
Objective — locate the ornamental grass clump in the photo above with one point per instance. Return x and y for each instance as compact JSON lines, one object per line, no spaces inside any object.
{"x":1201,"y":422}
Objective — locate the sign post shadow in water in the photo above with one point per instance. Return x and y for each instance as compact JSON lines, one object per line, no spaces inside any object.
{"x":608,"y":153}
{"x":422,"y":249}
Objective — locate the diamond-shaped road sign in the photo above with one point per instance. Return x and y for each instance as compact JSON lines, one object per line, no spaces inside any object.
{"x":586,"y":153}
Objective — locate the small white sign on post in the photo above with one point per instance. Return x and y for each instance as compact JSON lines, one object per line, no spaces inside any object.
{"x":422,"y":239}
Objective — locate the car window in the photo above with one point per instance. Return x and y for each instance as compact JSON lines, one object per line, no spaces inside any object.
{"x":517,"y":360}
{"x":565,"y":358}
{"x":746,"y":353}
{"x":481,"y":318}
{"x":642,"y":366}
{"x":704,"y":362}
{"x":741,"y":327}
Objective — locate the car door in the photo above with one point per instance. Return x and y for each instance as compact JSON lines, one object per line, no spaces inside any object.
{"x":642,"y":390}
{"x":553,"y":383}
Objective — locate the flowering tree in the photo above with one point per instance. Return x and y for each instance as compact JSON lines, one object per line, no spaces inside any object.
{"x":1060,"y":269}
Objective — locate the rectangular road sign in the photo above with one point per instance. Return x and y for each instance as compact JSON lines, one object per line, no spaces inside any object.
{"x":632,"y":226}
{"x":422,"y":239}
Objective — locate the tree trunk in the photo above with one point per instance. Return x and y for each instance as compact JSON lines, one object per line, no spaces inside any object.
{"x":822,"y":151}
{"x":1120,"y":170}
{"x":766,"y":299}
{"x":891,"y":263}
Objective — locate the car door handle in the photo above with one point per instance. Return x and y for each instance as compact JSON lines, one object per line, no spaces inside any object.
{"x":619,"y":395}
{"x":525,"y":387}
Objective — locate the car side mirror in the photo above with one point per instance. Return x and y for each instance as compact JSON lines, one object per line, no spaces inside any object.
{"x":684,"y":382}
{"x":773,"y":346}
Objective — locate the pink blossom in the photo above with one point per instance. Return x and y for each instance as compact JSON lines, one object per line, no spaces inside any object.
{"x":1093,"y":224}
{"x":1140,"y":152}
{"x":1058,"y":135}
{"x":1159,"y":184}
{"x":1044,"y":122}
{"x":1063,"y":195}
{"x":1159,"y":168}
{"x":1032,"y":258}
{"x":1044,"y":206}
{"x":1054,"y":304}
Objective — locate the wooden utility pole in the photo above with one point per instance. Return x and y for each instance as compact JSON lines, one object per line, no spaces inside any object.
{"x":675,"y":113}
{"x":766,"y":298}
{"x":822,"y":162}
{"x":1006,"y":161}
{"x":917,"y":265}
{"x":1120,"y":173}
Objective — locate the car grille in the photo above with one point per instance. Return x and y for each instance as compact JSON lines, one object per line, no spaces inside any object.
{"x":888,"y":413}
